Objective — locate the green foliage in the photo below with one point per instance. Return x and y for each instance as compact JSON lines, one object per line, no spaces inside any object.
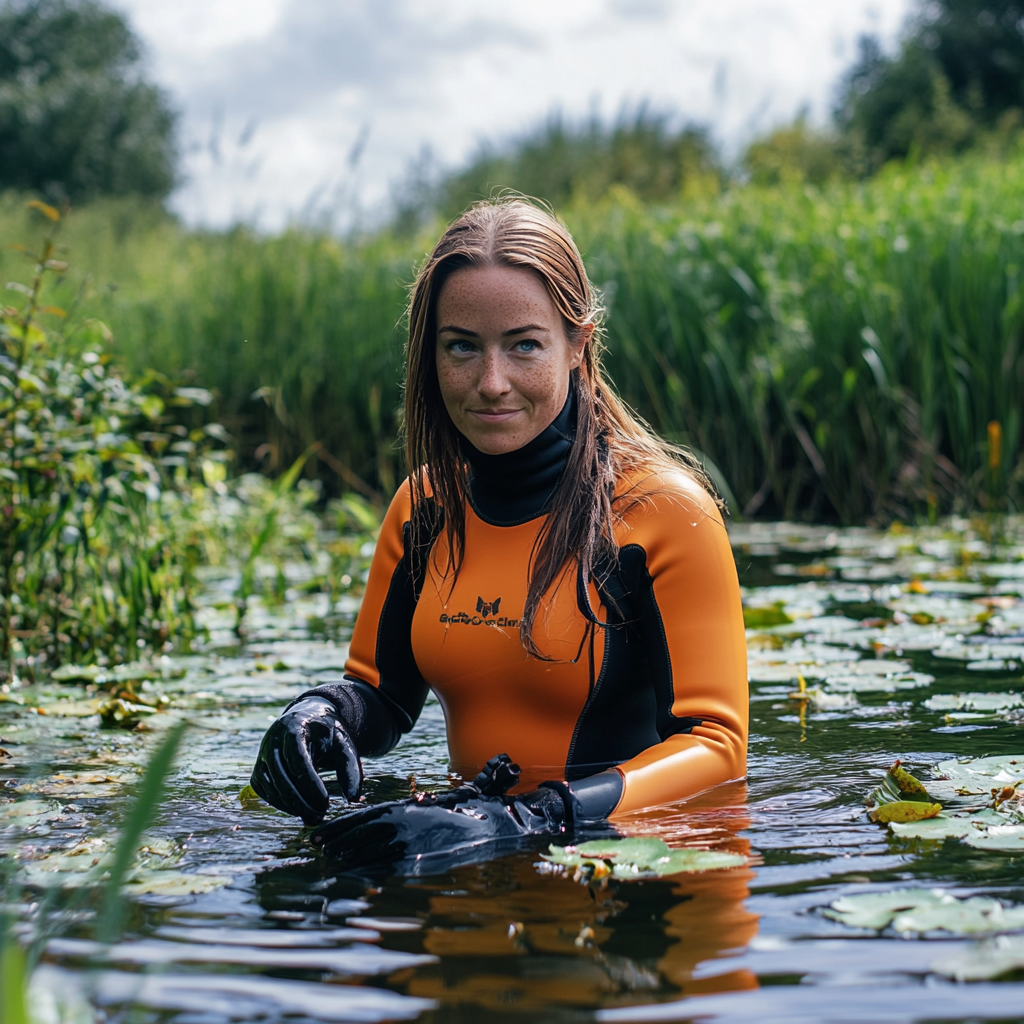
{"x":836,"y":352}
{"x":794,"y":153}
{"x":563,"y":162}
{"x":92,"y":562}
{"x":957,"y":79}
{"x":77,"y":119}
{"x":13,"y":979}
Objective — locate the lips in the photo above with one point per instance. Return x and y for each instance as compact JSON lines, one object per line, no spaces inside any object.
{"x":494,"y":415}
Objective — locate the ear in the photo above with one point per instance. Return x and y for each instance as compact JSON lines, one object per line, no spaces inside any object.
{"x":583,"y":337}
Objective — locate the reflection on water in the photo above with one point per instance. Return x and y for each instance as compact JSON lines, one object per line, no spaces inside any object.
{"x":232,"y":915}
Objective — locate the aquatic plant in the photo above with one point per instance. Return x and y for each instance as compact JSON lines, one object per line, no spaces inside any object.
{"x":91,"y":563}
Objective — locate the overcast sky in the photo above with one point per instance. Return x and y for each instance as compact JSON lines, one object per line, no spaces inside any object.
{"x":292,"y":107}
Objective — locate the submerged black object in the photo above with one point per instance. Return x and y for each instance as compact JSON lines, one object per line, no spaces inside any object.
{"x":310,"y":735}
{"x":432,"y":831}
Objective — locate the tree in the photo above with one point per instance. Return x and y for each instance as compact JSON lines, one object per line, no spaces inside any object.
{"x":77,"y":117}
{"x":793,"y":153}
{"x":959,"y":73}
{"x":561,"y":161}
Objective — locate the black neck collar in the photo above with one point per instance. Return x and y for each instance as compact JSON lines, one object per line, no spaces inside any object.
{"x":513,"y":488}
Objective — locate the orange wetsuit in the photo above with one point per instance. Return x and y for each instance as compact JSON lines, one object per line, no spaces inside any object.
{"x":650,"y":709}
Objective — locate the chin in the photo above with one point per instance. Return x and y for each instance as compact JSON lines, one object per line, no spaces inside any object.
{"x":491,"y":446}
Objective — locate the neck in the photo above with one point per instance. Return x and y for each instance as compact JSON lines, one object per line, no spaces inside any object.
{"x":519,"y":486}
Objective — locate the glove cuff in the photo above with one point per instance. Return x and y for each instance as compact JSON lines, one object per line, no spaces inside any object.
{"x":569,"y":802}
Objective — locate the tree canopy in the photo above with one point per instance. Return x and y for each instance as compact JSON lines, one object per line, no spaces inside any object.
{"x":77,"y":117}
{"x":563,"y":160}
{"x":959,"y":72}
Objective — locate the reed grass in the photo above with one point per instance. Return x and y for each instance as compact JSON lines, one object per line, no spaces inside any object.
{"x":836,"y":352}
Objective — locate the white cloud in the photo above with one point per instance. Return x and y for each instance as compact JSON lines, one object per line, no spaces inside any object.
{"x":314,"y":76}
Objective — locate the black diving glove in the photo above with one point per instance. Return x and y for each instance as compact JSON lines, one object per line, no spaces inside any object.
{"x":308,"y":736}
{"x":436,"y":831}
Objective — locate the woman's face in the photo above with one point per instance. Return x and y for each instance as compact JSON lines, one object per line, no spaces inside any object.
{"x":503,"y":356}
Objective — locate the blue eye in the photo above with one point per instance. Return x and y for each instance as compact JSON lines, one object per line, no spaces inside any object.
{"x":528,"y":345}
{"x":461,"y":346}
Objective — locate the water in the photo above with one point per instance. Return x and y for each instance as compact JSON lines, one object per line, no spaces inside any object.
{"x":231,"y":916}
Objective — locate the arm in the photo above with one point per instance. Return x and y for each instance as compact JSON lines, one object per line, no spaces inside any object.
{"x":692,"y":627}
{"x":383,"y":693}
{"x":332,"y":726}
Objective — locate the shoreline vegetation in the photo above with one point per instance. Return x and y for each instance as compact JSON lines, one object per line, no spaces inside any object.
{"x":847,"y":352}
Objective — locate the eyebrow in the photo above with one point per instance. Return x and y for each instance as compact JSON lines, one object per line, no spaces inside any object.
{"x":505,"y":334}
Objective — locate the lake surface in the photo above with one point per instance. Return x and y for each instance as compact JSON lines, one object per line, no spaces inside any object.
{"x":231,"y":916}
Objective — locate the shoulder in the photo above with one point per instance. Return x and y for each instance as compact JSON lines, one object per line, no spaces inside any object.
{"x":665,"y":496}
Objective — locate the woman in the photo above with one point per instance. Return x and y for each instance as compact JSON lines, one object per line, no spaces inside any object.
{"x":557,"y":575}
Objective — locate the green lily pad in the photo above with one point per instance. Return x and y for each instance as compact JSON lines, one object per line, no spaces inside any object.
{"x":942,"y":826}
{"x":974,"y":701}
{"x":989,"y":959}
{"x":926,"y":910}
{"x":75,"y":673}
{"x":175,"y":883}
{"x":643,"y":857}
{"x":25,"y":813}
{"x":998,"y":837}
{"x":765,"y":618}
{"x":976,"y":778}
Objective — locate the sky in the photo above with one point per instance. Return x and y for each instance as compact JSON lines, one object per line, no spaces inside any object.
{"x":315,"y":109}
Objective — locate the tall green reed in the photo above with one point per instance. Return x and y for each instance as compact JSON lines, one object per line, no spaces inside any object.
{"x":835,"y":352}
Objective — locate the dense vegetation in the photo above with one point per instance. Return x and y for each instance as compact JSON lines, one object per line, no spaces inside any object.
{"x":835,"y":352}
{"x":956,"y":79}
{"x":837,"y":341}
{"x":77,"y":117}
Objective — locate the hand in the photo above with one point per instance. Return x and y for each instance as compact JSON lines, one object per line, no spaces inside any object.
{"x":439,"y":830}
{"x":308,"y":736}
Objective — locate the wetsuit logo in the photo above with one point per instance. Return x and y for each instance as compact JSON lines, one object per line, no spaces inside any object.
{"x":485,"y":610}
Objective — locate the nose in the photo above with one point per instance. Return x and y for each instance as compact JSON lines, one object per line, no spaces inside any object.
{"x":493,"y":382}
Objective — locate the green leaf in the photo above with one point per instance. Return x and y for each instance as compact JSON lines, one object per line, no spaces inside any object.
{"x":904,"y":811}
{"x":764,"y":618}
{"x":641,"y":857}
{"x":249,"y":798}
{"x":13,"y":979}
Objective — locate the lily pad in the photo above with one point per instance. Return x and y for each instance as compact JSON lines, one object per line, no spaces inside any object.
{"x":973,"y":701}
{"x":175,"y":883}
{"x":876,"y":683}
{"x":942,"y":826}
{"x":989,"y":959}
{"x":904,"y":811}
{"x":998,"y":837}
{"x":249,"y":798}
{"x":644,"y":857}
{"x":21,"y":814}
{"x":978,"y":777}
{"x":926,"y":910}
{"x":75,"y":673}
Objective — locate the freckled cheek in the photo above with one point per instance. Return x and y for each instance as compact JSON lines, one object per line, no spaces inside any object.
{"x":541,"y":385}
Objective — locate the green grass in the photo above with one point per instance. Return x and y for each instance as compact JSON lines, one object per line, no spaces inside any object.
{"x":835,"y":352}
